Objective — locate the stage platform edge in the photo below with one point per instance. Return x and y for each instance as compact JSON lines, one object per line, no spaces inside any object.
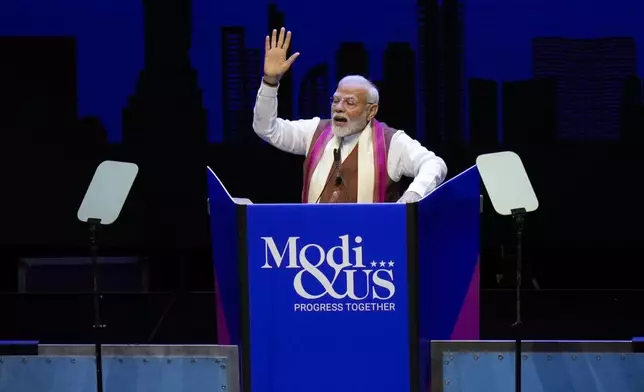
{"x":159,"y":368}
{"x":549,"y":366}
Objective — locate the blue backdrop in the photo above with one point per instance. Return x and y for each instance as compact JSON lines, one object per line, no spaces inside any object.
{"x":109,"y":47}
{"x":498,"y":34}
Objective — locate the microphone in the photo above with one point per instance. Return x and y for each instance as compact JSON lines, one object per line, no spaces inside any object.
{"x":337,"y":158}
{"x":337,"y":161}
{"x":336,"y":155}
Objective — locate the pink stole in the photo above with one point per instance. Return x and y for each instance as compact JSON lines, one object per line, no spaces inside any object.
{"x":379,"y":157}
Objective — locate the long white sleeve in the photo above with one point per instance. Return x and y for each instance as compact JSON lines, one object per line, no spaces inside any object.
{"x":407,"y":157}
{"x":290,"y":136}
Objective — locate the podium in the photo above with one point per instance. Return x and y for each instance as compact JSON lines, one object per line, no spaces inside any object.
{"x":345,"y":297}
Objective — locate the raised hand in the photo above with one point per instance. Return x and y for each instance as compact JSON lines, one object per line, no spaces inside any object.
{"x":275,"y":62}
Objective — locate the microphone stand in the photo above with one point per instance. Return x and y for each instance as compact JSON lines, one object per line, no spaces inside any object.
{"x":519,"y":217}
{"x":337,"y":161}
{"x":337,"y":158}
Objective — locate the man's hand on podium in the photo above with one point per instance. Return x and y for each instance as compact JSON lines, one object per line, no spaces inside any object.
{"x":409,"y":197}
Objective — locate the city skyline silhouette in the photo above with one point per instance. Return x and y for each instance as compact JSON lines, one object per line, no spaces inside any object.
{"x":441,"y":90}
{"x":167,"y":117}
{"x":171,"y":86}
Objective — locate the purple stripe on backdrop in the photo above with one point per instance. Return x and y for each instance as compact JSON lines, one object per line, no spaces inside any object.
{"x":223,"y":333}
{"x":467,"y":323}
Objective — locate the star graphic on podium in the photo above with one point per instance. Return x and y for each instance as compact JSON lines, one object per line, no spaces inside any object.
{"x":391,"y":263}
{"x":382,"y":263}
{"x":374,"y":264}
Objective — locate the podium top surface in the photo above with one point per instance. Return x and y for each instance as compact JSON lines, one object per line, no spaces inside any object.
{"x":453,"y":186}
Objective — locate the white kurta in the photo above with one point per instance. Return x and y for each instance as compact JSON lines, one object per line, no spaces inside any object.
{"x":406,"y":156}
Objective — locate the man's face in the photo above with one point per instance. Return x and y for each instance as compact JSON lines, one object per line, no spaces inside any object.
{"x":350,"y":111}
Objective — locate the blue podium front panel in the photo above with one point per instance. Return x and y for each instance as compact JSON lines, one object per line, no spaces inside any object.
{"x":448,"y":264}
{"x":328,"y":298}
{"x":225,"y":251}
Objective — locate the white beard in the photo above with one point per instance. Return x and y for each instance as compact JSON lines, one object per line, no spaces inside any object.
{"x":350,"y":128}
{"x":341,"y":131}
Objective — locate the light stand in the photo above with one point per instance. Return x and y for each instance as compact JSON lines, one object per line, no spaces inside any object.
{"x":101,"y":205}
{"x":511,"y":193}
{"x":93,"y":224}
{"x":519,"y":218}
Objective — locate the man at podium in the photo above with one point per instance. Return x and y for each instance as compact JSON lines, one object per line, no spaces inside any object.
{"x":351,"y":157}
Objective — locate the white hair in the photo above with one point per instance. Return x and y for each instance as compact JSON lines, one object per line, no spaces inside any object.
{"x":372,"y":92}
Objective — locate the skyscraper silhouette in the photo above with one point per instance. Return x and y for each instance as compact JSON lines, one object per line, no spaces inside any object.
{"x":441,"y":42}
{"x":38,"y":115}
{"x":632,"y":112}
{"x":483,"y":114}
{"x":165,"y":120}
{"x":590,"y":75}
{"x":429,"y":76}
{"x":252,"y":80}
{"x":453,"y":72}
{"x":254,"y":74}
{"x":351,"y":59}
{"x":529,"y":112}
{"x":276,"y":20}
{"x":234,"y":57}
{"x":91,"y":131}
{"x":314,"y":93}
{"x":398,"y":91}
{"x":167,"y":107}
{"x":38,"y":96}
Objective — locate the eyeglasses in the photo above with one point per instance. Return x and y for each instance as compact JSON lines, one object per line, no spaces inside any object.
{"x":349,"y":102}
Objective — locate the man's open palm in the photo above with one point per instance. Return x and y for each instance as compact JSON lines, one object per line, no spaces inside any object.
{"x":275,"y":62}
